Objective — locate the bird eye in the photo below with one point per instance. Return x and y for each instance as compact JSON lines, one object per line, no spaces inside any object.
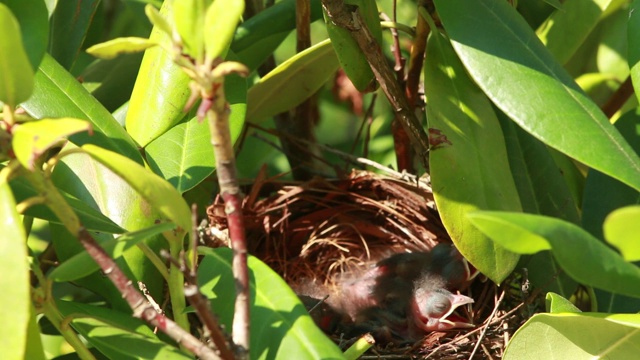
{"x":437,"y":306}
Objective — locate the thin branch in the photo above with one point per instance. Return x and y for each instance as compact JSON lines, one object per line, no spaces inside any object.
{"x":618,"y":98}
{"x":340,"y":14}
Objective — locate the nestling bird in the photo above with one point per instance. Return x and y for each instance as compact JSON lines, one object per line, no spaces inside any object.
{"x":404,"y":296}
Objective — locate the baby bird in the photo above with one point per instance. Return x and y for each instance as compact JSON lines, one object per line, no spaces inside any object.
{"x":405,"y":296}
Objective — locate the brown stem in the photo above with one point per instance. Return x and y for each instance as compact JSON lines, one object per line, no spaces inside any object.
{"x":352,"y":21}
{"x":301,"y":122}
{"x":416,"y":59}
{"x":202,"y":307}
{"x":218,"y":116}
{"x":618,"y":98}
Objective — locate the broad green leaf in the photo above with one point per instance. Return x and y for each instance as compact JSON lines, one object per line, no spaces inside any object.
{"x":583,"y":257}
{"x":220,"y":23}
{"x":58,"y":94}
{"x":82,"y":264}
{"x":16,"y":74}
{"x":543,"y":189}
{"x":184,"y":154}
{"x":69,"y":26}
{"x":34,"y":25}
{"x":557,"y":304}
{"x":604,"y":194}
{"x":622,"y":229}
{"x":97,"y":186}
{"x":157,"y":192}
{"x":33,"y":348}
{"x":576,"y":337}
{"x":119,"y":46}
{"x":489,"y":35}
{"x":90,"y":218}
{"x":633,"y":55}
{"x":612,"y":52}
{"x":291,"y":82}
{"x":189,"y":20}
{"x":15,"y":302}
{"x":473,"y":172}
{"x":555,"y":3}
{"x":33,"y":138}
{"x":281,"y":328}
{"x":566,"y":29}
{"x":161,"y":90}
{"x":118,"y":337}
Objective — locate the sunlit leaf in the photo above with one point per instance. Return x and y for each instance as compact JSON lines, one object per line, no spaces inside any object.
{"x":622,"y":229}
{"x":119,"y":46}
{"x":16,"y":74}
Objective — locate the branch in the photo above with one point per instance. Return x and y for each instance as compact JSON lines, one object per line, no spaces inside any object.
{"x":341,"y":15}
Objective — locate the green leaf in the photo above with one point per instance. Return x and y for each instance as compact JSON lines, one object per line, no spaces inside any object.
{"x":576,"y":336}
{"x":161,"y":90}
{"x":15,"y":302}
{"x":34,"y":349}
{"x":220,"y":23}
{"x":82,"y":264}
{"x":158,"y":20}
{"x":566,"y":29}
{"x":115,"y":47}
{"x":477,"y":155}
{"x":292,"y":82}
{"x":633,"y":28}
{"x":557,"y":304}
{"x":281,"y":328}
{"x":602,"y":193}
{"x":32,"y":139}
{"x":34,"y":26}
{"x":118,"y":335}
{"x":490,"y":35}
{"x":184,"y":154}
{"x":90,"y":218}
{"x":622,"y":229}
{"x":58,"y":94}
{"x":156,"y":191}
{"x":583,"y":257}
{"x":16,"y":75}
{"x":189,"y":20}
{"x":69,"y":26}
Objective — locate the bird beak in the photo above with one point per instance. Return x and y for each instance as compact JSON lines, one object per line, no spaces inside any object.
{"x":448,"y":321}
{"x":451,"y":321}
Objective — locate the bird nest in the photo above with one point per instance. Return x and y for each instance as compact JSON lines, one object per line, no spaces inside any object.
{"x":319,"y":229}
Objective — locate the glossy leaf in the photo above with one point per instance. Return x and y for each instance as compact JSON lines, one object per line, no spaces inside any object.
{"x":34,"y":26}
{"x":16,"y":75}
{"x":576,"y":336}
{"x":82,"y":264}
{"x":15,"y":303}
{"x":189,"y":17}
{"x":161,"y":90}
{"x":33,"y":138}
{"x":633,"y":55}
{"x":566,"y":29}
{"x":543,"y":189}
{"x":58,"y":94}
{"x":291,"y":82}
{"x":156,"y":191}
{"x":184,"y":154}
{"x":528,"y":234}
{"x":557,"y":304}
{"x":473,"y":172}
{"x":103,"y":190}
{"x":622,"y":229}
{"x":119,"y":46}
{"x":281,"y":328}
{"x":604,"y":194}
{"x":489,"y":35}
{"x":118,"y":335}
{"x":90,"y":218}
{"x":220,"y":23}
{"x":69,"y":26}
